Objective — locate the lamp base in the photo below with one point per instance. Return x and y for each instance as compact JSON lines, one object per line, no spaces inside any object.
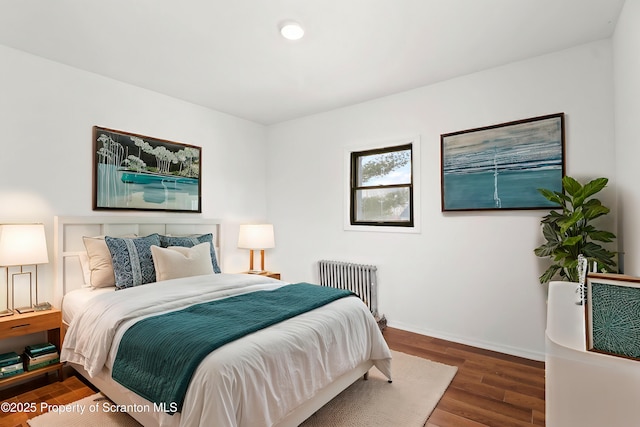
{"x":41,"y":306}
{"x":25,"y":309}
{"x":6,"y":312}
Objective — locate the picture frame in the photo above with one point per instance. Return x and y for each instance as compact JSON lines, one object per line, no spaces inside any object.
{"x":501,"y":167}
{"x":612,"y":314}
{"x":137,"y":172}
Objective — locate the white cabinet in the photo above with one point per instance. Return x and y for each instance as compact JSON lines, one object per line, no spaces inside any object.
{"x":583,"y":388}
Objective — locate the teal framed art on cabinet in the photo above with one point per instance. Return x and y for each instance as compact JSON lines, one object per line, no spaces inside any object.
{"x":612,"y":315}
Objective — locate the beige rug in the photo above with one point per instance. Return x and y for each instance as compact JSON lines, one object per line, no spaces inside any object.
{"x":87,"y":412}
{"x":418,"y":384}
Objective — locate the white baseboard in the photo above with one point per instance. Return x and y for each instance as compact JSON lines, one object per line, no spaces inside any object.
{"x":501,"y":348}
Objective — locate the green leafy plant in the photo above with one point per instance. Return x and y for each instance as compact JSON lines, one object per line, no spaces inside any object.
{"x":569,"y":232}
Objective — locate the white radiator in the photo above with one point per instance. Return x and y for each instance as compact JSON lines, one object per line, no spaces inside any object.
{"x":357,"y":278}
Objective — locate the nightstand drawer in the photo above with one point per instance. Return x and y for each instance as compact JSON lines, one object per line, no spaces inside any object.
{"x":28,"y":323}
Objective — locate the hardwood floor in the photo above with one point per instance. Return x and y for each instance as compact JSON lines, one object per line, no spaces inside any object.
{"x":45,"y":389}
{"x":489,"y":389}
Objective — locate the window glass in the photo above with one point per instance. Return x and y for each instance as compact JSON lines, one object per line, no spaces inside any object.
{"x":382,"y":187}
{"x":385,"y":168}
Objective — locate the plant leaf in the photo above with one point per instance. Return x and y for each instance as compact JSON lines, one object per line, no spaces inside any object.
{"x":592,"y":212}
{"x":552,"y":218}
{"x":595,"y":252}
{"x":601,"y":236}
{"x":569,"y":222}
{"x":551,"y":233}
{"x":549,"y":274}
{"x":572,"y":241}
{"x":589,"y":189}
{"x":545,"y":250}
{"x":594,"y":186}
{"x":552,"y":196}
{"x":570,"y":185}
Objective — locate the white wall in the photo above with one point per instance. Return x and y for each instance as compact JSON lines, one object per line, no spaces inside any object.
{"x":469,"y":277}
{"x":47,"y":111}
{"x":626,"y":48}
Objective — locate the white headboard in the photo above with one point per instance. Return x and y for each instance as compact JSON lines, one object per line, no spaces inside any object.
{"x":69,"y":231}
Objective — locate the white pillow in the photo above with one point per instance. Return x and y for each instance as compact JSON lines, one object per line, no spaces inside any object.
{"x":178,"y":261}
{"x":99,"y":262}
{"x":86,"y":268}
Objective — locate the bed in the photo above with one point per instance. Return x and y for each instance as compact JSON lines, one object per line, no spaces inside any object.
{"x":279,"y":375}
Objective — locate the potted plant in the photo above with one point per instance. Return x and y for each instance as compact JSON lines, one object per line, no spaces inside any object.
{"x":570,"y":232}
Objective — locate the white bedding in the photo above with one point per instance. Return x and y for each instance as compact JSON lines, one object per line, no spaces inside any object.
{"x":255,"y":381}
{"x":75,"y":301}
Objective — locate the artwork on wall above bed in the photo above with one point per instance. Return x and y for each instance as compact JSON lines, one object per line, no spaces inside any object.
{"x":501,"y":167}
{"x":133,"y":171}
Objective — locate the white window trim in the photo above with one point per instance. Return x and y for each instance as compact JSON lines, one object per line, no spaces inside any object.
{"x":415,"y":142}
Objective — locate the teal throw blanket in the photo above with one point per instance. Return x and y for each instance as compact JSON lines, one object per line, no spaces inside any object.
{"x":158,"y":355}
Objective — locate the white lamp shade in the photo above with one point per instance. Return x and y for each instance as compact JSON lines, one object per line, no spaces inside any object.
{"x":22,"y":244}
{"x":256,"y":236}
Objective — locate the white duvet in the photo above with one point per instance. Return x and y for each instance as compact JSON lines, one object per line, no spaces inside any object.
{"x":255,"y":381}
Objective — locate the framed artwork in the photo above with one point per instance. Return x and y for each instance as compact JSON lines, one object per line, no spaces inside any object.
{"x":502,"y":166}
{"x":133,"y":171}
{"x":612,"y":312}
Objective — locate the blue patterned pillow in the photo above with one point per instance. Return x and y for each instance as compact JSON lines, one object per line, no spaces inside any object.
{"x":132,"y":260}
{"x":190,"y":241}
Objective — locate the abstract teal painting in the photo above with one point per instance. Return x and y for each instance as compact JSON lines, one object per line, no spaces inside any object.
{"x":502,"y":166}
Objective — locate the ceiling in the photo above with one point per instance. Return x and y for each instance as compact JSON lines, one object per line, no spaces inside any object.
{"x":229,"y":56}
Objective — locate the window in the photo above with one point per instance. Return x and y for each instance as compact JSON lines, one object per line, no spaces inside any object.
{"x":382,"y":187}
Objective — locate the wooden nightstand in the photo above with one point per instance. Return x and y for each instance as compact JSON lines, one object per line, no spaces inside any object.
{"x":271,"y":274}
{"x":29,"y":323}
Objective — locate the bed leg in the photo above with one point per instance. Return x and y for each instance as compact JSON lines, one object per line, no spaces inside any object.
{"x":366,"y":375}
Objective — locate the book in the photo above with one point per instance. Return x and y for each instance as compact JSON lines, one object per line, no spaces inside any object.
{"x":39,"y":359}
{"x":11,"y":373}
{"x":9,"y":358}
{"x":43,"y":364}
{"x":11,"y":368}
{"x":38,"y":349}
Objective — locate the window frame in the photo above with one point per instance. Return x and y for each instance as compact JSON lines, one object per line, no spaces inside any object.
{"x":354,"y":188}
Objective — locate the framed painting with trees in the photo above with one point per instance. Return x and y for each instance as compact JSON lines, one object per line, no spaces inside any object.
{"x":132,"y":171}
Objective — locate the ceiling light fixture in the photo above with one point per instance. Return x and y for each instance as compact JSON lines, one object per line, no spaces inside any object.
{"x":291,"y":30}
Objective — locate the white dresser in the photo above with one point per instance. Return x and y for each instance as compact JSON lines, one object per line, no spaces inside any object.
{"x":584,"y":389}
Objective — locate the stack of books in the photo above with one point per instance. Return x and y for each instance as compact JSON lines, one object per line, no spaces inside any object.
{"x":10,"y":364}
{"x":40,"y":355}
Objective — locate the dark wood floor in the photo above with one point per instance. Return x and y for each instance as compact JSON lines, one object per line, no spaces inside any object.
{"x":489,"y":389}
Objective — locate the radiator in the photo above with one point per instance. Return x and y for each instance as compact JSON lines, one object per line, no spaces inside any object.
{"x":357,"y":278}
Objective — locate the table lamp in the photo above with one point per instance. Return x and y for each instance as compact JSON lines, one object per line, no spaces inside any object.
{"x":256,"y":237}
{"x":23,"y":245}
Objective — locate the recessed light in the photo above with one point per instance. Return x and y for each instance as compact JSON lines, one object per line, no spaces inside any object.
{"x":291,"y":30}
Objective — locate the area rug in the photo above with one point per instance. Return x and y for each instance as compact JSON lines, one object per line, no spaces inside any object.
{"x":418,"y":384}
{"x":86,"y":412}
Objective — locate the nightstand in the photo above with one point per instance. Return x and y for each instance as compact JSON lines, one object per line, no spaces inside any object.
{"x":271,"y":274}
{"x":29,"y":323}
